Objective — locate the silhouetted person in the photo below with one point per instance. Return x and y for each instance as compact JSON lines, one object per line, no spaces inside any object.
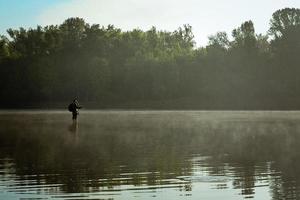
{"x":73,"y":107}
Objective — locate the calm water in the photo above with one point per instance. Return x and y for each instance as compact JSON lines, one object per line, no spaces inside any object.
{"x":150,"y":155}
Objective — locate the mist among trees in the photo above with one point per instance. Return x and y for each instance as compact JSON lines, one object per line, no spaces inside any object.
{"x":106,"y":67}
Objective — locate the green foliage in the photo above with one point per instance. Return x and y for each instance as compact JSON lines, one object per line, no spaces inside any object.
{"x":111,"y":67}
{"x":220,"y":39}
{"x":244,"y":36}
{"x":283,"y":20}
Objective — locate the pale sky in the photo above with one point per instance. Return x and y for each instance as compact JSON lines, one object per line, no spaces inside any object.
{"x":205,"y":16}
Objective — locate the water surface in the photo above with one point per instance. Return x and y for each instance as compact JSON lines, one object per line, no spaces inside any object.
{"x":150,"y":155}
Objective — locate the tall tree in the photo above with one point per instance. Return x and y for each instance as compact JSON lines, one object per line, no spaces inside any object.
{"x":283,"y":20}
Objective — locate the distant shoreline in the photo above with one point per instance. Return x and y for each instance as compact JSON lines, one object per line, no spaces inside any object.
{"x":205,"y":104}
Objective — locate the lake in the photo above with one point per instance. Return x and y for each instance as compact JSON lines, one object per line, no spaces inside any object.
{"x":150,"y":155}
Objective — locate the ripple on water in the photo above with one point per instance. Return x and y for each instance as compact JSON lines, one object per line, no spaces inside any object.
{"x":163,"y":155}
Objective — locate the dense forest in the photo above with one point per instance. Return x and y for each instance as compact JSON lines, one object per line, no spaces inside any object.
{"x":106,"y":67}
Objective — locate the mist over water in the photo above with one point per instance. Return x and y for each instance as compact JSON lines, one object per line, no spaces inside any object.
{"x":150,"y":155}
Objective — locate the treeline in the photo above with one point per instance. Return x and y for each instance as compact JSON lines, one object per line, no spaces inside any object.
{"x":108,"y":67}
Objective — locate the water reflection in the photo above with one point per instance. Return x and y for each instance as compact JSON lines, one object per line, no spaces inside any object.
{"x":73,"y":128}
{"x":122,"y":155}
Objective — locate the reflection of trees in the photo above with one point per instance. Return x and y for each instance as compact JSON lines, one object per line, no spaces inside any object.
{"x":149,"y":149}
{"x":96,"y":154}
{"x":259,"y":151}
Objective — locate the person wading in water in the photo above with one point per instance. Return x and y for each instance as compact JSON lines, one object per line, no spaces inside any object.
{"x":73,"y":107}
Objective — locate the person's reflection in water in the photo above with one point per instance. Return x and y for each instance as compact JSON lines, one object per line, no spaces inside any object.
{"x":73,"y":128}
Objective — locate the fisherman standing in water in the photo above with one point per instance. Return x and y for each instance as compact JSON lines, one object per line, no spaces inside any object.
{"x":73,"y":107}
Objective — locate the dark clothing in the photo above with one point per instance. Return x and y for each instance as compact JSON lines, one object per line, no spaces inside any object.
{"x":74,"y":109}
{"x":74,"y":115}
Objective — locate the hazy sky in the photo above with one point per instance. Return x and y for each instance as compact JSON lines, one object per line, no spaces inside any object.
{"x":206,"y":16}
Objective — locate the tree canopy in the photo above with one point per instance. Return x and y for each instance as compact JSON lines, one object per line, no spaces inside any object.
{"x":106,"y":67}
